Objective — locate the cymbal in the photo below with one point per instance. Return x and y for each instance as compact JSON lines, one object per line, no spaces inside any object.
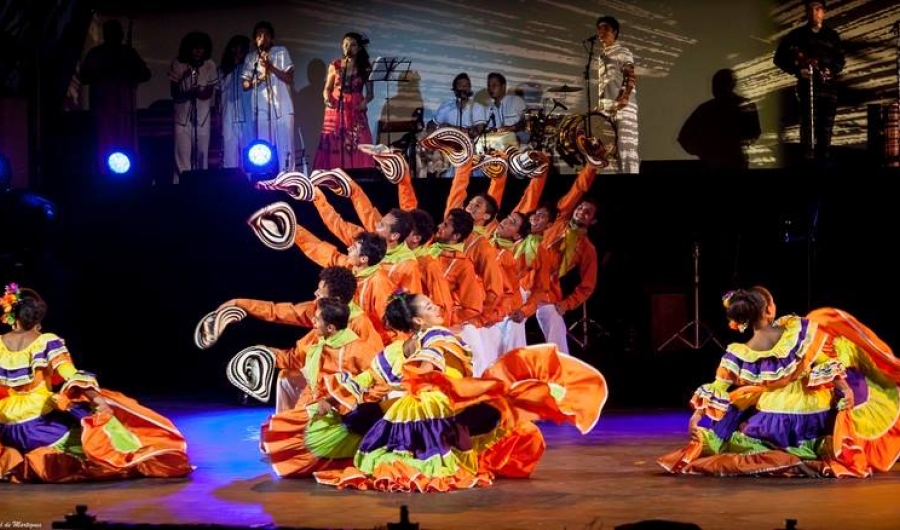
{"x":564,"y":88}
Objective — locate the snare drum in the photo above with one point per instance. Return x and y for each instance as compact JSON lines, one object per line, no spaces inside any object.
{"x":496,"y":141}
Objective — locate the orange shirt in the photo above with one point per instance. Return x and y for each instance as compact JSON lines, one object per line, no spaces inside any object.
{"x":302,"y":315}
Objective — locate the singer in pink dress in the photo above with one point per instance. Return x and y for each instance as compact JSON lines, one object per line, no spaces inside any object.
{"x":347,"y":95}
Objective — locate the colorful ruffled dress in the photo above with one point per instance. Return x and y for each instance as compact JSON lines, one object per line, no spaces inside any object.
{"x":54,"y":436}
{"x":452,"y":431}
{"x":301,"y":440}
{"x":345,"y":127}
{"x":776,"y":412}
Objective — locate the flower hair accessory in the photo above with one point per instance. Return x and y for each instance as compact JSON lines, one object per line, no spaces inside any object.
{"x":11,"y":297}
{"x":737,"y":326}
{"x":726,"y":299}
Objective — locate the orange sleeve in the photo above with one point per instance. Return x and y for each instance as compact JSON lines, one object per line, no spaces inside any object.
{"x":280,"y":313}
{"x":407,"y":274}
{"x":374,"y":294}
{"x":469,"y":305}
{"x":587,"y":270}
{"x":486,"y":267}
{"x":457,"y":196}
{"x":344,"y":230}
{"x":539,"y":285}
{"x":407,"y":193}
{"x":435,"y":285}
{"x":364,"y":208}
{"x":322,"y":253}
{"x":295,"y":358}
{"x":496,"y":189}
{"x":582,"y":184}
{"x":532,"y":196}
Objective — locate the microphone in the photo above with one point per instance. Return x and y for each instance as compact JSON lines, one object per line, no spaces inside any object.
{"x":592,"y":39}
{"x":558,"y":104}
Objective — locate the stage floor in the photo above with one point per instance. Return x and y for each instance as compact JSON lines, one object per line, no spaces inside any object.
{"x":598,"y":481}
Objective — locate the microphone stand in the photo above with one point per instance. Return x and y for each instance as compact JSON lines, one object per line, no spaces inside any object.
{"x":492,"y":122}
{"x":270,"y":97}
{"x":255,"y":84}
{"x":341,"y":127}
{"x":587,"y":82}
{"x":195,"y":163}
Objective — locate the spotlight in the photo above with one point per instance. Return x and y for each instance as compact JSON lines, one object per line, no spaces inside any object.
{"x":119,"y":163}
{"x":260,"y":160}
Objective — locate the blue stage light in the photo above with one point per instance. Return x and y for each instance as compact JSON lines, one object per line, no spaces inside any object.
{"x":260,"y":159}
{"x":118,"y":162}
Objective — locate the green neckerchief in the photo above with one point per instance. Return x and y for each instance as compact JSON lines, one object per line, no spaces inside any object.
{"x":355,"y":310}
{"x":397,"y":254}
{"x":366,"y":272}
{"x":529,"y":246}
{"x":570,"y":242}
{"x":502,"y":242}
{"x":314,"y":353}
{"x":436,"y":249}
{"x":480,"y":230}
{"x":421,"y":250}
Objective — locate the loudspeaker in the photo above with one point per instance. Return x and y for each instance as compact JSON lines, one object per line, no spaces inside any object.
{"x":668,"y":313}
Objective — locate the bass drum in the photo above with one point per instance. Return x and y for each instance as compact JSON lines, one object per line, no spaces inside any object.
{"x":587,"y":137}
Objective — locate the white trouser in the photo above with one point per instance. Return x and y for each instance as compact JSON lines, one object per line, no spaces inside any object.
{"x":512,"y":335}
{"x":232,"y":144}
{"x":553,"y":326}
{"x":288,"y":387}
{"x":473,"y":338}
{"x":184,"y":144}
{"x":490,"y":346}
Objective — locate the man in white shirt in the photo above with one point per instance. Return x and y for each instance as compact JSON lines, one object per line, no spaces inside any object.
{"x":460,"y":111}
{"x":269,"y":72}
{"x":503,"y":120}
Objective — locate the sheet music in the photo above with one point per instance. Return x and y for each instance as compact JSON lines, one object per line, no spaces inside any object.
{"x":390,"y":69}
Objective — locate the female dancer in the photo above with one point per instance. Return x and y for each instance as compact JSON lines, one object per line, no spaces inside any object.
{"x":452,"y":431}
{"x":814,"y":396}
{"x":76,"y":433}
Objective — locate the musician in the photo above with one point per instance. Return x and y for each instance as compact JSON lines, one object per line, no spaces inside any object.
{"x":460,"y":111}
{"x":616,"y":81}
{"x":814,"y":55}
{"x":193,"y":79}
{"x":505,"y":113}
{"x":269,"y":72}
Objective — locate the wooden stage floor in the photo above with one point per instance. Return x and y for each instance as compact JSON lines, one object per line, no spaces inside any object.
{"x":598,"y":481}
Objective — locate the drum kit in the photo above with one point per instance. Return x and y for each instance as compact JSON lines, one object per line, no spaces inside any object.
{"x":576,"y":138}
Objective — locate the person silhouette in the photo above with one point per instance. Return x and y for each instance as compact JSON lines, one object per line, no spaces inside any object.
{"x":113,"y":70}
{"x":720,"y":129}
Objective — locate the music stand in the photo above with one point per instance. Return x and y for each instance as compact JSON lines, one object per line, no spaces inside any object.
{"x":389,"y":69}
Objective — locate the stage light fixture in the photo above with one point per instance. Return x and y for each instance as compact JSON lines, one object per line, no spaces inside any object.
{"x":260,"y":160}
{"x":119,"y":163}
